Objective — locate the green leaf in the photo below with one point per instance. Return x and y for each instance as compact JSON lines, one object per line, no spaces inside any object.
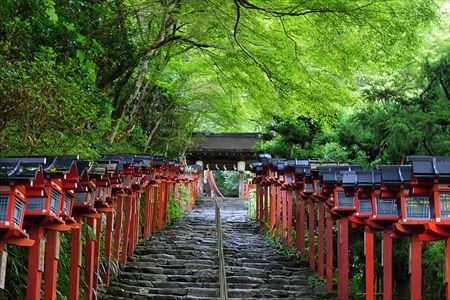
{"x":80,"y":55}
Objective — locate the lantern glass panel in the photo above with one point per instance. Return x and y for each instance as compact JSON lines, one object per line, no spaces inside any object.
{"x":18,"y":211}
{"x":54,"y":201}
{"x":309,"y":187}
{"x":35,"y":203}
{"x":365,"y":206}
{"x":417,"y":208}
{"x":386,"y":207}
{"x":126,"y":179}
{"x":80,"y":197}
{"x":288,"y":178}
{"x":3,"y":207}
{"x":67,"y":201}
{"x":318,"y":188}
{"x":91,"y":198}
{"x":344,"y":201}
{"x":444,"y":204}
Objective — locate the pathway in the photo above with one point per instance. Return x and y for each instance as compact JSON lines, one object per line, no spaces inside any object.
{"x":181,"y":261}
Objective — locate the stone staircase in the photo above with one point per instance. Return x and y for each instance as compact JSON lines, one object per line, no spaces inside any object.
{"x":181,"y":262}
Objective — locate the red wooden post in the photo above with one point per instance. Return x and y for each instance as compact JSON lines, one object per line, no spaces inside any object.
{"x":98,"y":233}
{"x":190,"y":195}
{"x":75,"y":256}
{"x":447,"y":267}
{"x":266,"y":205}
{"x":258,"y":195}
{"x":108,"y":240}
{"x":321,"y":238}
{"x":161,"y":206}
{"x":343,"y":258}
{"x":147,"y":214}
{"x":387,"y":264}
{"x":369,"y":264}
{"x":329,"y":225}
{"x":34,"y":270}
{"x":312,"y":250}
{"x":89,"y":263}
{"x":155,"y":207}
{"x":117,"y":228}
{"x":146,"y":208}
{"x":51,"y":264}
{"x":289,"y":219}
{"x":166,"y":200}
{"x":150,"y":209}
{"x":273,"y":197}
{"x":278,"y":211}
{"x":136,"y":209}
{"x":136,"y":220}
{"x":126,"y":230}
{"x":132,"y":229}
{"x":416,"y":268}
{"x":300,"y":225}
{"x":284,"y":216}
{"x":169,"y":191}
{"x":261,"y":206}
{"x":339,"y":258}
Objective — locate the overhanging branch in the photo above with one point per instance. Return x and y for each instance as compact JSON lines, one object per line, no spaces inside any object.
{"x":298,"y":11}
{"x":263,"y":67}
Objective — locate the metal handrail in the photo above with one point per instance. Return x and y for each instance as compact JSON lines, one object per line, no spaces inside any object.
{"x":222,"y":272}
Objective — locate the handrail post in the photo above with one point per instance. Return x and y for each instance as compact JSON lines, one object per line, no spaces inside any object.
{"x":222,"y":273}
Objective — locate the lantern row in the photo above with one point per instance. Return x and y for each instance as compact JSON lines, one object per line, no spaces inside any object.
{"x":399,"y":200}
{"x":43,"y":196}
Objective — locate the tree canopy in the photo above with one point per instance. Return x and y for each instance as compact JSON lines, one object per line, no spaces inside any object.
{"x":142,"y":75}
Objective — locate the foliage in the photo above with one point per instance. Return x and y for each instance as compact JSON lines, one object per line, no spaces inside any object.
{"x":227,"y":182}
{"x":276,"y":241}
{"x":140,"y":76}
{"x":177,"y":205}
{"x":399,"y":116}
{"x":174,"y":210}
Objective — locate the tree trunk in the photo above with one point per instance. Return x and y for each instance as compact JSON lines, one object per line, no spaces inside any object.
{"x":150,"y":136}
{"x":167,"y":147}
{"x":148,"y":87}
{"x":165,"y":35}
{"x":190,"y":134}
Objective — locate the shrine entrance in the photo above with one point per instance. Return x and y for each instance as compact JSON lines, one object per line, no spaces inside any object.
{"x":223,"y":151}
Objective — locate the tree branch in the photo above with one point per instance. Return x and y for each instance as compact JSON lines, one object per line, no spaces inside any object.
{"x":263,"y":67}
{"x":295,"y":12}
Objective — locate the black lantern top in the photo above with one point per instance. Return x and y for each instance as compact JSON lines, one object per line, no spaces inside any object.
{"x":349,"y":179}
{"x":333,"y":175}
{"x":60,"y":165}
{"x":370,"y":178}
{"x":395,"y":174}
{"x":264,"y":158}
{"x":430,"y":166}
{"x":361,"y":178}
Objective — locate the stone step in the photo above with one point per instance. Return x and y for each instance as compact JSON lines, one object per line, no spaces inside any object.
{"x":142,"y":285}
{"x":181,"y":262}
{"x":211,"y":271}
